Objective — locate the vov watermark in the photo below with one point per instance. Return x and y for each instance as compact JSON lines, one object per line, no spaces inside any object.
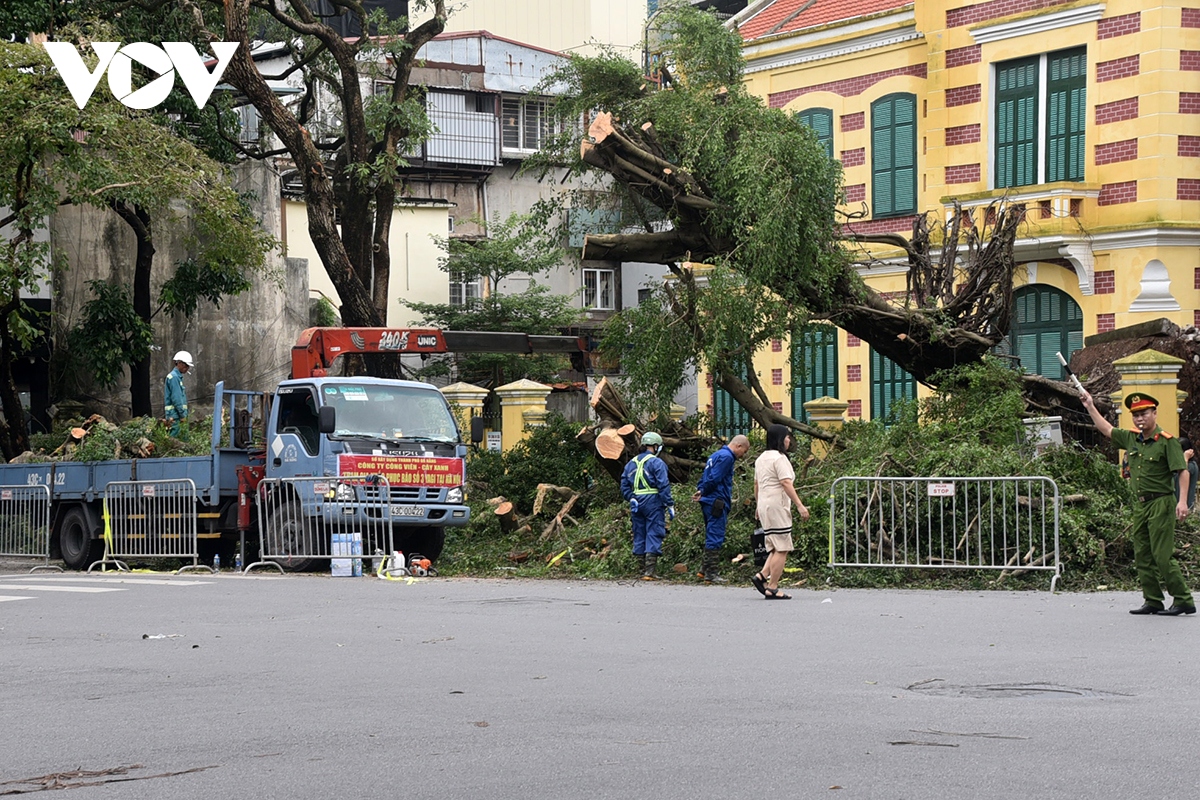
{"x":165,"y":60}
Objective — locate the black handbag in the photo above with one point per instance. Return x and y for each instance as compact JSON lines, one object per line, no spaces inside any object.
{"x":758,"y":543}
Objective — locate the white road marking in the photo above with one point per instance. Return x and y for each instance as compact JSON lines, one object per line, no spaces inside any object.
{"x":79,"y":589}
{"x":129,"y":580}
{"x":6,"y":597}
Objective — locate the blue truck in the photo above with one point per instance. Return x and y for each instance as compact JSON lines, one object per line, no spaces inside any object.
{"x":312,"y":426}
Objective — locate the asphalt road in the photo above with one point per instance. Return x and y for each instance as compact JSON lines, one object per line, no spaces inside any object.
{"x":314,"y":687}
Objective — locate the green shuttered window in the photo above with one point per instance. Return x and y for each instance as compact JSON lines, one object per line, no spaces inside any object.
{"x":894,"y":155}
{"x":814,"y":367}
{"x":889,"y":383}
{"x":820,"y":121}
{"x":1035,"y":146}
{"x":1047,"y":322}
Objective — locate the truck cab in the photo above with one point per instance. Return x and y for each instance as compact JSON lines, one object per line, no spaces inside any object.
{"x":402,"y":431}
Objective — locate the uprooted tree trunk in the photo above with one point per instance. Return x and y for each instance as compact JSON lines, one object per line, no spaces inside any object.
{"x":960,"y":272}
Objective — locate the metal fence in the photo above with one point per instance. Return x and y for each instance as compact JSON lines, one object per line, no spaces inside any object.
{"x":945,"y":523}
{"x":25,"y":524}
{"x":301,"y":520}
{"x":150,"y":519}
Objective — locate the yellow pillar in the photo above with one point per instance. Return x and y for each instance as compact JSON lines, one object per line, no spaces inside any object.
{"x":1156,"y":374}
{"x":516,"y":399}
{"x":678,"y":412}
{"x":466,"y":401}
{"x":828,"y":414}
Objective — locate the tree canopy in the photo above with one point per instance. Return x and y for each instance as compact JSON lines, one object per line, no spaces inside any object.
{"x":713,"y":176}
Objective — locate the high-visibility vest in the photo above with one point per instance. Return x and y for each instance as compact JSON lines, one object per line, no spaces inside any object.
{"x":640,"y":485}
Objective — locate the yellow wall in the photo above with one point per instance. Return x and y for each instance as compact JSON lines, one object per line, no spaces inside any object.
{"x":415,"y":257}
{"x":1123,"y":238}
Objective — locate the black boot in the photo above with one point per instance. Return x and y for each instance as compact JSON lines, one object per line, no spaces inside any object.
{"x":712,"y":573}
{"x":640,"y":560}
{"x":648,"y":572}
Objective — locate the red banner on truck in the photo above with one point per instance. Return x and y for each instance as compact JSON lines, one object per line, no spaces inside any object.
{"x":403,"y":470}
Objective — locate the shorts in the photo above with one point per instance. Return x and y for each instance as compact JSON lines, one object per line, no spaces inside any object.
{"x":779,"y":542}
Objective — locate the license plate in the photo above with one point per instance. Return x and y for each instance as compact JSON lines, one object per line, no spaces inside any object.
{"x":408,"y":511}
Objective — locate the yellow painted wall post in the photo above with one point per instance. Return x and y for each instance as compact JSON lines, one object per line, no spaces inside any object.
{"x":1156,"y":374}
{"x":516,"y":399}
{"x":828,"y":414}
{"x":465,"y":401}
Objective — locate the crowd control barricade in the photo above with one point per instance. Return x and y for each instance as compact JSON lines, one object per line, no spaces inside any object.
{"x":301,"y":520}
{"x":946,"y":523}
{"x":25,"y":524}
{"x":150,"y":519}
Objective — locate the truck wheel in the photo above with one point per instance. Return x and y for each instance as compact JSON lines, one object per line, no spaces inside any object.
{"x":285,"y":536}
{"x":79,"y":549}
{"x":426,"y":541}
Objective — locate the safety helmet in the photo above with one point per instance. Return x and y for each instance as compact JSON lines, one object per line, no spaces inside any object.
{"x":650,"y":437}
{"x":184,"y":356}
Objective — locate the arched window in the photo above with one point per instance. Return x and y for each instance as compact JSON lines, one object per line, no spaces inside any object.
{"x":1046,"y":321}
{"x":894,"y":155}
{"x":820,"y":120}
{"x":814,"y":367}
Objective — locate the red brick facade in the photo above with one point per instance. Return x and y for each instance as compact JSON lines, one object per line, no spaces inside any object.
{"x":1105,"y":322}
{"x":777,"y":345}
{"x":962,"y":173}
{"x":854,"y":341}
{"x":854,"y":158}
{"x":856,"y":193}
{"x":1190,"y":18}
{"x":962,"y":134}
{"x":854,"y":409}
{"x":1118,"y":68}
{"x":1196,"y":278}
{"x":892,"y":225}
{"x":1117,"y":110}
{"x":853,"y":373}
{"x":1187,"y":189}
{"x":961,"y":56}
{"x":1105,"y":282}
{"x":854,"y":122}
{"x":1189,"y":60}
{"x":1196,"y":314}
{"x":777,"y":377}
{"x":1189,"y":146}
{"x":962,"y":96}
{"x":847,"y":87}
{"x":1112,"y":194}
{"x":1116,"y":151}
{"x":969,"y":15}
{"x":1118,"y":26}
{"x":1189,"y":102}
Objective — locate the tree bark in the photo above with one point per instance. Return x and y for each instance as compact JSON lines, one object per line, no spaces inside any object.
{"x":139,"y":221}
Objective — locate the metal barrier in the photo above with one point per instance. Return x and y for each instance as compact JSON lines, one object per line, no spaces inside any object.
{"x":150,"y":519}
{"x":300,"y":520}
{"x":945,"y":523}
{"x":25,"y":524}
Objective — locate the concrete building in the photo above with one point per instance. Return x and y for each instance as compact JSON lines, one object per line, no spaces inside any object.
{"x":1084,"y":113}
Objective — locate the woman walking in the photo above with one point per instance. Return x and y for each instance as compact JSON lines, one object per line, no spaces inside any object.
{"x":775,"y":494}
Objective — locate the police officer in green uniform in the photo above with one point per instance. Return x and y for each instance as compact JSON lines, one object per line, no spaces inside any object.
{"x":1155,"y":458}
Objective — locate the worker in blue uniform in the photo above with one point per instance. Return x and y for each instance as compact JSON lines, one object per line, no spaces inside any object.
{"x":715,"y":496}
{"x":644,"y":484}
{"x":175,"y":405}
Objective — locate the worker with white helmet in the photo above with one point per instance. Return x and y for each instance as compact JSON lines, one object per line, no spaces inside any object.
{"x":645,"y":485}
{"x":175,"y":406}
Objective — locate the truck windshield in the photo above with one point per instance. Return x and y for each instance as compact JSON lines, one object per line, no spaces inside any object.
{"x":390,"y":412}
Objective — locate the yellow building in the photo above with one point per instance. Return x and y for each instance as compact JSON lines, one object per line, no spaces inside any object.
{"x":1087,"y":113}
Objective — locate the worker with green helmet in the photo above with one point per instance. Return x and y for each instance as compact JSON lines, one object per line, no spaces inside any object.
{"x":644,"y":484}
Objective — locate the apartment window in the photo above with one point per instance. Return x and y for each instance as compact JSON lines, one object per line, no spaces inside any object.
{"x":599,"y":289}
{"x":525,"y":125}
{"x":1046,"y":322}
{"x":894,"y":155}
{"x":464,"y":292}
{"x":814,"y":366}
{"x":890,"y":383}
{"x":1041,"y":107}
{"x":820,"y":121}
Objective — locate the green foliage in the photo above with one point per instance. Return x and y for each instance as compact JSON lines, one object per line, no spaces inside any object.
{"x":515,"y":246}
{"x":111,"y":333}
{"x":106,"y":441}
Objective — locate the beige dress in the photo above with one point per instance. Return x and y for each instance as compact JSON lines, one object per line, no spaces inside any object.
{"x":774,"y":507}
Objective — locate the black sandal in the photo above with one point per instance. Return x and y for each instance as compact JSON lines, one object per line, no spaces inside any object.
{"x":760,"y":583}
{"x":775,"y":594}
